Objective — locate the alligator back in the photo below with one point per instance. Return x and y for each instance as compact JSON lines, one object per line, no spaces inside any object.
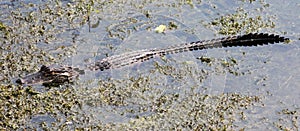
{"x":144,"y":55}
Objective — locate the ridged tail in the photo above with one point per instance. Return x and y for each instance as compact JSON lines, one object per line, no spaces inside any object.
{"x":234,"y":41}
{"x":143,"y":55}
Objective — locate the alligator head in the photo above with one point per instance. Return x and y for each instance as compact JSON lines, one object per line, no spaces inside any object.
{"x":50,"y":76}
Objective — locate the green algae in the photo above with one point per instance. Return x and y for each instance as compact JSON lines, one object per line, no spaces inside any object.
{"x":240,"y":21}
{"x":21,"y":104}
{"x":18,"y":104}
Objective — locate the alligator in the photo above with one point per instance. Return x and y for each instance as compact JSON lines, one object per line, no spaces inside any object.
{"x":59,"y":75}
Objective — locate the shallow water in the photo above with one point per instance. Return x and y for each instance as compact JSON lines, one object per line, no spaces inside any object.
{"x":241,"y":88}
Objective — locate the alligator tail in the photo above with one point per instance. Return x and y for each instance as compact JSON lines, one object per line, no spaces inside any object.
{"x":252,"y":39}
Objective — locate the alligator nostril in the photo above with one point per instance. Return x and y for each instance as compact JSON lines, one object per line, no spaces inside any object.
{"x":20,"y":81}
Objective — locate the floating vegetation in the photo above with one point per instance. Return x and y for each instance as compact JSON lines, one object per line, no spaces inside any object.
{"x":241,"y":21}
{"x":67,"y":107}
{"x":29,"y":28}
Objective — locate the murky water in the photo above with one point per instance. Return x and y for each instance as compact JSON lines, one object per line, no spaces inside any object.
{"x":252,"y":88}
